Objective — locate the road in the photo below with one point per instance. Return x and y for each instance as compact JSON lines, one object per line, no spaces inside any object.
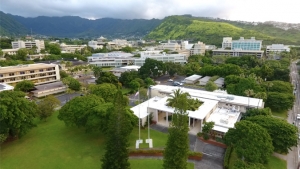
{"x":64,"y":98}
{"x":293,"y":157}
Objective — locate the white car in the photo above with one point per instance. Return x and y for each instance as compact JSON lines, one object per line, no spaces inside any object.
{"x":170,"y":80}
{"x":93,"y":77}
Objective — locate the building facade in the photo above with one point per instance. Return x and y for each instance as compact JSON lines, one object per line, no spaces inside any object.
{"x":39,"y":44}
{"x":37,"y":73}
{"x":238,"y":53}
{"x":277,"y":48}
{"x":246,"y":44}
{"x":227,"y":42}
{"x":198,"y":49}
{"x":71,"y":48}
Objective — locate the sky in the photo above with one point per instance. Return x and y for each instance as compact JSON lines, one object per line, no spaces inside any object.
{"x":245,"y":10}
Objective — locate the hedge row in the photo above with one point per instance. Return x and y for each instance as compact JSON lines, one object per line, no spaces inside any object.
{"x":227,"y":157}
{"x":160,"y":152}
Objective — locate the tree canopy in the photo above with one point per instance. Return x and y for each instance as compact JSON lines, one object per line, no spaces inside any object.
{"x":47,"y":106}
{"x":106,"y":91}
{"x":284,"y":135}
{"x":24,"y":86}
{"x":250,"y":141}
{"x":107,"y":77}
{"x":16,"y":114}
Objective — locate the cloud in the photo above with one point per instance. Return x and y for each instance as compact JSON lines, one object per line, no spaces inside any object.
{"x":250,"y":10}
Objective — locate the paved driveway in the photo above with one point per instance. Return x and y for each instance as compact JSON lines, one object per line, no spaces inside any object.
{"x":212,"y":155}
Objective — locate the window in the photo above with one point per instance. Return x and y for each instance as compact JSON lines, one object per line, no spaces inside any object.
{"x":43,"y":74}
{"x":50,"y":73}
{"x":11,"y":74}
{"x":23,"y":77}
{"x":31,"y":71}
{"x":33,"y":76}
{"x":22,"y":73}
{"x":41,"y":70}
{"x":1,"y":75}
{"x":50,"y":69}
{"x":12,"y":79}
{"x":2,"y":80}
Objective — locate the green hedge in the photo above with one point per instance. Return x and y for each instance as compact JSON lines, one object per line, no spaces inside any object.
{"x":227,"y":157}
{"x":159,"y":151}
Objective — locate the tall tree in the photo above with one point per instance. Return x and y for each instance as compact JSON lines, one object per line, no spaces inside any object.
{"x":17,"y":114}
{"x":97,"y":71}
{"x":46,"y":106}
{"x":283,"y":134}
{"x":22,"y":54}
{"x":250,"y":141}
{"x":24,"y":86}
{"x":119,"y":129}
{"x":54,"y":49}
{"x":72,"y":83}
{"x":177,"y":147}
{"x":108,"y":77}
{"x":107,"y":91}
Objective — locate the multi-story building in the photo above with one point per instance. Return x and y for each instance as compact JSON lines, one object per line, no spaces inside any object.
{"x":277,"y":48}
{"x":119,"y":59}
{"x":237,"y":53}
{"x":71,"y":48}
{"x":10,"y":51}
{"x":39,"y":44}
{"x":94,"y":45}
{"x":227,"y":42}
{"x":198,"y":49}
{"x":37,"y":73}
{"x":246,"y":44}
{"x":170,"y":45}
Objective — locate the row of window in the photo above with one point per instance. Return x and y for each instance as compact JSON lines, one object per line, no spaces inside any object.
{"x":31,"y":71}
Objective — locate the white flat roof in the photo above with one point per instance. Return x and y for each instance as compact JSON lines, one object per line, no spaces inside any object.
{"x":4,"y":86}
{"x":200,"y":113}
{"x":131,"y":67}
{"x":141,"y":110}
{"x":222,"y":97}
{"x":224,"y":118}
{"x":205,"y":79}
{"x":219,"y":80}
{"x":193,"y":77}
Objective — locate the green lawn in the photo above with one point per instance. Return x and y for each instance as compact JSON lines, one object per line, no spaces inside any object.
{"x":282,"y":114}
{"x":274,"y":162}
{"x":53,"y":145}
{"x":151,"y":164}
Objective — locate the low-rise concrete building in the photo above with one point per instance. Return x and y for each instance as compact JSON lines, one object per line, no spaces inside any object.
{"x":48,"y":89}
{"x":238,"y":52}
{"x":192,"y":79}
{"x":204,"y":80}
{"x":71,"y":48}
{"x":10,"y":51}
{"x":219,"y":82}
{"x":118,"y":71}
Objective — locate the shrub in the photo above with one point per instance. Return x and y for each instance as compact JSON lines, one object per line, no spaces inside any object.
{"x":227,"y":157}
{"x":200,"y":134}
{"x":205,"y":136}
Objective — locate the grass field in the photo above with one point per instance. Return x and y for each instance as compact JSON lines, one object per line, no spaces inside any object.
{"x":274,"y":162}
{"x":53,"y":145}
{"x":151,"y":164}
{"x":282,"y":114}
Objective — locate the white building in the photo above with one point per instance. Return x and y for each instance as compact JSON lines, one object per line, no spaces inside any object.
{"x":37,"y":56}
{"x":276,"y":49}
{"x":170,"y":45}
{"x":227,"y":42}
{"x":246,"y":44}
{"x":95,"y":45}
{"x":192,"y":79}
{"x":118,"y":59}
{"x":210,"y":47}
{"x":219,"y":82}
{"x":10,"y":51}
{"x":39,"y":44}
{"x":223,"y":109}
{"x":204,"y":80}
{"x":118,"y":71}
{"x":4,"y":87}
{"x":198,"y":49}
{"x":238,"y":52}
{"x":71,"y":48}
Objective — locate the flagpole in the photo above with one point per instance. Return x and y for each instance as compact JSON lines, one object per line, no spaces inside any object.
{"x":148,"y":113}
{"x":139,"y":114}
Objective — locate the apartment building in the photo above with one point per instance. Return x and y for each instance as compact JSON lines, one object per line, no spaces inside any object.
{"x":198,"y":49}
{"x":39,"y":73}
{"x":39,"y":44}
{"x":227,"y":42}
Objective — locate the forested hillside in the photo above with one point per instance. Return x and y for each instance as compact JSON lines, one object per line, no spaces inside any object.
{"x":9,"y":26}
{"x":208,"y":31}
{"x":74,"y":26}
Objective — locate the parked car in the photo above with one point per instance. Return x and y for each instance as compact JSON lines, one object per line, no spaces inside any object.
{"x":170,"y":80}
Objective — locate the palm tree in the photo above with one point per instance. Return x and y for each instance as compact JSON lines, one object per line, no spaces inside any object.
{"x":260,"y":95}
{"x":249,"y":92}
{"x":173,"y":100}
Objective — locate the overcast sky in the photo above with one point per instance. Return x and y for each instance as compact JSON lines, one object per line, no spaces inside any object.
{"x":247,"y":10}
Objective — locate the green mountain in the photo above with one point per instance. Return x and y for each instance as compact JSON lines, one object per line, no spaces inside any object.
{"x":212,"y":31}
{"x":74,"y":26}
{"x":9,"y":26}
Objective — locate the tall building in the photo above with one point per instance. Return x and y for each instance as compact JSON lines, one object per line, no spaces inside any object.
{"x":170,"y":45}
{"x":198,"y":49}
{"x":39,"y":44}
{"x":246,"y":44}
{"x":227,"y":42}
{"x":37,"y":73}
